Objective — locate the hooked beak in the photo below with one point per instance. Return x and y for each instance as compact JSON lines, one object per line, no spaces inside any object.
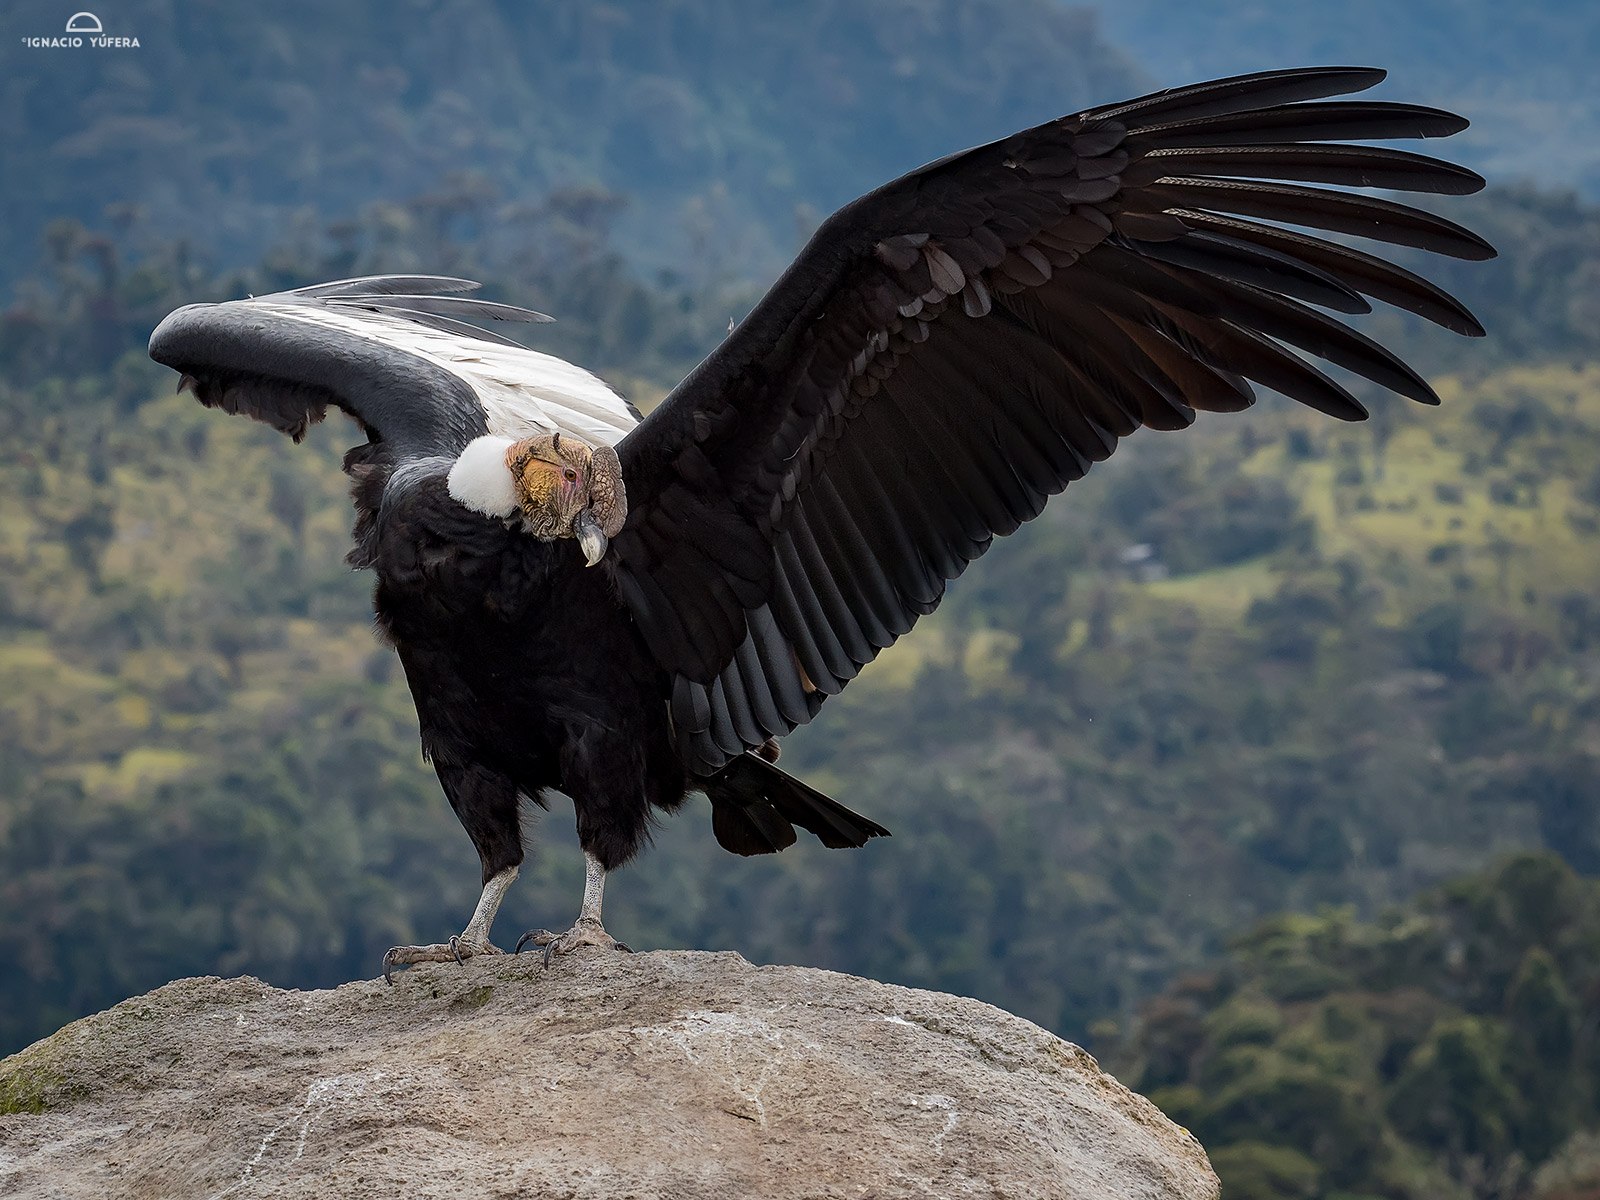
{"x":590,"y":536}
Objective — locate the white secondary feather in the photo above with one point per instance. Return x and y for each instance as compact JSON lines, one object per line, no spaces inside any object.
{"x":523,"y":392}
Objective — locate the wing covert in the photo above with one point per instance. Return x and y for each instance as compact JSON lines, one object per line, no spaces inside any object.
{"x":399,"y":353}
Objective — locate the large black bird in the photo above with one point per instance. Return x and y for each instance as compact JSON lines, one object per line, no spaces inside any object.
{"x":631,"y":609}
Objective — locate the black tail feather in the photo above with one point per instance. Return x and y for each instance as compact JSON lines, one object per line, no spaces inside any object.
{"x":755,"y":807}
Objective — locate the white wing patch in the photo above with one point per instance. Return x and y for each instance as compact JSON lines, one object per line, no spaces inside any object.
{"x":523,"y":392}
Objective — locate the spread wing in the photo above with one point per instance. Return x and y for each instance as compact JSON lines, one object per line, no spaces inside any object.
{"x":396,"y":352}
{"x":952,"y":349}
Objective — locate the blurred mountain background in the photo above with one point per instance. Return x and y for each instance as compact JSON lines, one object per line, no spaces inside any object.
{"x":730,"y":127}
{"x":1267,"y":762}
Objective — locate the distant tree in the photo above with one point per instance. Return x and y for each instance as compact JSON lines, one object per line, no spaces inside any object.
{"x":1454,"y":1094}
{"x":1436,"y":639}
{"x":1258,"y":1171}
{"x":1540,"y":1054}
{"x":86,"y":536}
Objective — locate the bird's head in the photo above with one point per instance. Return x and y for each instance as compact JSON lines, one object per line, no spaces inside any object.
{"x":556,"y":484}
{"x":567,"y":489}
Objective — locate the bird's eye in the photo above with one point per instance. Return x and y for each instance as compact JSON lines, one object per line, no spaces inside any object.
{"x":570,"y":475}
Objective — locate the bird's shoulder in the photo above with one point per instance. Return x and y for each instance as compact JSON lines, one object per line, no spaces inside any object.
{"x":409,"y":521}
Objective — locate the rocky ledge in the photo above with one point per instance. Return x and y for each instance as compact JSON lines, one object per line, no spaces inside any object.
{"x":652,"y":1075}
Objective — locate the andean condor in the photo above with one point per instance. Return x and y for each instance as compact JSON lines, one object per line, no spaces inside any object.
{"x":629,"y":609}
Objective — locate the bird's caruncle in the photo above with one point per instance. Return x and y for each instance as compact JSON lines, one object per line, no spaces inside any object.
{"x":631,"y":610}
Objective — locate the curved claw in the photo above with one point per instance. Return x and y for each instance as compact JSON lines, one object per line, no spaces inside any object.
{"x":533,"y":935}
{"x":459,"y":948}
{"x":587,"y":932}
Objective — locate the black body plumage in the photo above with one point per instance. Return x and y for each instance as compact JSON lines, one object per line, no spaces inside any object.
{"x":578,"y":707}
{"x":948,"y":351}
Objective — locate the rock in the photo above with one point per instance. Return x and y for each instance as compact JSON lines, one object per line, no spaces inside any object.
{"x":652,"y":1075}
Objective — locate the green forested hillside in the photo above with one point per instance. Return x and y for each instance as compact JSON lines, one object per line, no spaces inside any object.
{"x":1447,"y":1050}
{"x":729,"y":126}
{"x":1273,"y":662}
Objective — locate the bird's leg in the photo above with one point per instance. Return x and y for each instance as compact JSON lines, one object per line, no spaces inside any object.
{"x":472,"y":940}
{"x":588,"y":931}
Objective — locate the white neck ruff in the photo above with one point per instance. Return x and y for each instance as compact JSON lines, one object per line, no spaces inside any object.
{"x":481,"y":480}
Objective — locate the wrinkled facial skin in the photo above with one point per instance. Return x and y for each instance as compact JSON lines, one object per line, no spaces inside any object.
{"x":566,"y":489}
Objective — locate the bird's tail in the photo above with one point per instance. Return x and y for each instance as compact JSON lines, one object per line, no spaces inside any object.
{"x":755,"y":807}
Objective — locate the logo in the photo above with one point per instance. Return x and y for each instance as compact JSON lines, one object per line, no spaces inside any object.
{"x":84,"y":31}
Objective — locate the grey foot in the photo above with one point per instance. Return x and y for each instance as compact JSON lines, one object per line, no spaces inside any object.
{"x":457,"y":949}
{"x":587,"y":932}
